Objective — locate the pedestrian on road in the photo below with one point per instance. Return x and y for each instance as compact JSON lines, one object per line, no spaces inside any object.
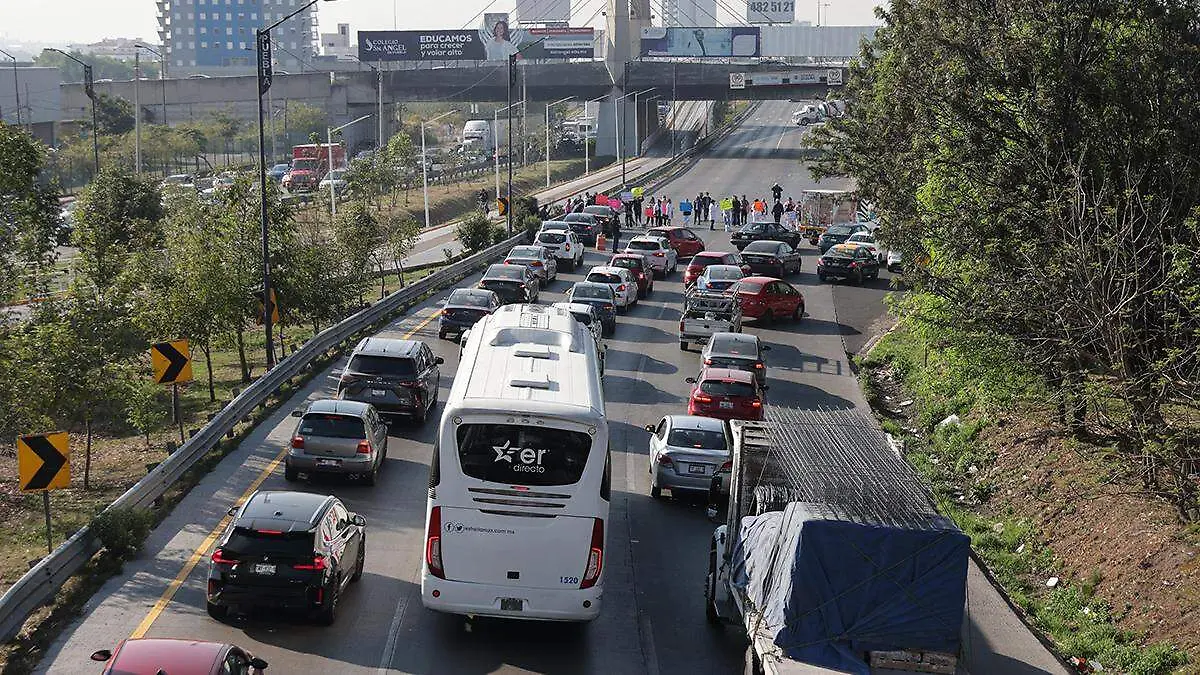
{"x":669,"y":209}
{"x":777,"y":191}
{"x":727,"y":216}
{"x":777,"y":211}
{"x":616,"y":236}
{"x":745,"y":210}
{"x":685,"y":210}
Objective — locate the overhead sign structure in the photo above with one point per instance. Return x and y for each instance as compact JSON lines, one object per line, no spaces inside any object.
{"x":833,"y":77}
{"x":494,"y":43}
{"x":770,"y":11}
{"x":44,"y":461}
{"x":171,"y":362}
{"x":729,"y":42}
{"x":737,"y":80}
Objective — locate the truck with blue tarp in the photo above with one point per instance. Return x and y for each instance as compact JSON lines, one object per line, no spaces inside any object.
{"x":831,"y":554}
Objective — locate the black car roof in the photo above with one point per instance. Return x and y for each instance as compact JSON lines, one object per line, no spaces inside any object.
{"x":763,"y":245}
{"x":282,"y":510}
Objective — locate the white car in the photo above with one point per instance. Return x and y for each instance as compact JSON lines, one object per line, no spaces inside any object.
{"x":620,"y":280}
{"x":563,"y":245}
{"x":538,"y":259}
{"x":867,"y":240}
{"x":663,"y":259}
{"x":336,"y":178}
{"x":806,"y":115}
{"x":894,"y":263}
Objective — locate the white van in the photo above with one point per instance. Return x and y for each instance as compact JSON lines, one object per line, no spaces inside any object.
{"x":477,"y":135}
{"x":520,"y":477}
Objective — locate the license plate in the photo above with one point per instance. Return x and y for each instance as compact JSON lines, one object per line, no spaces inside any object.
{"x":512,"y":604}
{"x":379,"y":392}
{"x":726,"y":405}
{"x":328,"y":462}
{"x":696,"y":468}
{"x":264,"y":568}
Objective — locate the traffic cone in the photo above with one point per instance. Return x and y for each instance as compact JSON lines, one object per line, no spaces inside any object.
{"x":601,"y":242}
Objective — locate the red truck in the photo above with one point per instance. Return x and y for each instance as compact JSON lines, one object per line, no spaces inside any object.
{"x":310,"y":163}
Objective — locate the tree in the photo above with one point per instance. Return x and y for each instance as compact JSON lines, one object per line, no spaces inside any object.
{"x":359,"y":236}
{"x":399,"y":237}
{"x":29,"y":214}
{"x":401,"y":155}
{"x":303,"y":120}
{"x":144,"y":408}
{"x":474,"y":233}
{"x":114,"y":115}
{"x":118,"y":213}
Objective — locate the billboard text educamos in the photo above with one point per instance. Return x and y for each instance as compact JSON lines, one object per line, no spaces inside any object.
{"x":474,"y":45}
{"x":735,"y":41}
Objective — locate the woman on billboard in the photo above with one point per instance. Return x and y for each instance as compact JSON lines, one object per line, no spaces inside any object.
{"x":499,"y":45}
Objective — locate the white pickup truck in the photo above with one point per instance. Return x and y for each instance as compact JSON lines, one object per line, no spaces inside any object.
{"x":708,"y":312}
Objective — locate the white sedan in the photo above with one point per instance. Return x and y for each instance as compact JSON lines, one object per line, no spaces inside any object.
{"x":619,"y":279}
{"x":867,"y":240}
{"x":663,"y":259}
{"x":336,"y":178}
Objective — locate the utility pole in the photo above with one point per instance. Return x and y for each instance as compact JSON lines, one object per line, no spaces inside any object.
{"x":137,"y":113}
{"x":89,"y":88}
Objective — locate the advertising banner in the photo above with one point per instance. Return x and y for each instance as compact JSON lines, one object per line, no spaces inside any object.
{"x":485,"y":44}
{"x":736,"y":41}
{"x":770,"y":11}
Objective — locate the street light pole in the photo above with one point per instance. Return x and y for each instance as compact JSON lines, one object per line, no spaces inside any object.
{"x":329,"y":152}
{"x":137,"y":113}
{"x":548,"y":107}
{"x":425,"y":165}
{"x":262,"y":44}
{"x":90,"y":90}
{"x":162,"y":76}
{"x":16,"y":89}
{"x":512,"y":66}
{"x":637,"y":139}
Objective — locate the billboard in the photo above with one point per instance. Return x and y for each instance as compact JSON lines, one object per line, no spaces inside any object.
{"x":770,"y":11}
{"x":539,"y":11}
{"x":736,"y":41}
{"x":494,"y":44}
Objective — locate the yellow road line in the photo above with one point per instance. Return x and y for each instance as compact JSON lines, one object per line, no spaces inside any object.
{"x":194,"y":559}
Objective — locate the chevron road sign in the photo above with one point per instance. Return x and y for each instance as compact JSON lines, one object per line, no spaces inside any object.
{"x":44,"y":461}
{"x":172,"y":362}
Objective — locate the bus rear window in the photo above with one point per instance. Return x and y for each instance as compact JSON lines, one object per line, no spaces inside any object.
{"x":522,"y":455}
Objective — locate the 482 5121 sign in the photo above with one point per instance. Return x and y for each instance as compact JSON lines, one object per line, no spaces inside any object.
{"x":770,"y":11}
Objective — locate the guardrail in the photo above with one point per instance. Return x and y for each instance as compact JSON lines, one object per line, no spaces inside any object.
{"x":42,"y":581}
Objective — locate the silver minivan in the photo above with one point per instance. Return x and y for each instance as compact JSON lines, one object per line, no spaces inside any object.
{"x":337,"y":437}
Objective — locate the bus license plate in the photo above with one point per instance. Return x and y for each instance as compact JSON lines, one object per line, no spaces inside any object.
{"x":512,"y":604}
{"x":264,"y":568}
{"x":696,"y":468}
{"x":726,"y":405}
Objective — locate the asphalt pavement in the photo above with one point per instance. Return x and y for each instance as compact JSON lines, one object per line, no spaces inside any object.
{"x":652,"y":619}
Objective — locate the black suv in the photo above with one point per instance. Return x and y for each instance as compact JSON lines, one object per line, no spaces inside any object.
{"x":398,"y":377}
{"x":288,"y":550}
{"x":837,"y":234}
{"x":760,"y":231}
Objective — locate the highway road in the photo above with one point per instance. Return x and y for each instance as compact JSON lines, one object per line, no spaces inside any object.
{"x":652,"y":621}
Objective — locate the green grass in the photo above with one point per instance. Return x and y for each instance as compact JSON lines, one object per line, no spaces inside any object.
{"x":944,"y":381}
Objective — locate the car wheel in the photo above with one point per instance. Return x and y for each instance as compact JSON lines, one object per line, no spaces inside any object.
{"x":371,"y":477}
{"x":710,"y":590}
{"x":655,"y":492}
{"x":571,"y":265}
{"x":798,"y":313}
{"x":821,"y":276}
{"x":328,"y":614}
{"x":768,"y":316}
{"x":441,"y":335}
{"x":218,"y":612}
{"x":683,"y":345}
{"x":361,"y":562}
{"x":290,"y":474}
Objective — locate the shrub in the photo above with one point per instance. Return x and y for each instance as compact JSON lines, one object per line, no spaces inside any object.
{"x":122,"y":531}
{"x":474,"y":232}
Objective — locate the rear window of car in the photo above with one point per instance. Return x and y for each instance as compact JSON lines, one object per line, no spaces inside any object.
{"x":703,"y":439}
{"x":580,"y":218}
{"x":841,"y":252}
{"x":391,"y":366}
{"x":840,"y":229}
{"x":548,"y":225}
{"x":723,"y":388}
{"x":627,"y":263}
{"x":469,"y":300}
{"x":750,"y":287}
{"x":644,"y":245}
{"x":598,"y":292}
{"x":705,"y":260}
{"x":761,"y":247}
{"x":724,"y":274}
{"x":552,"y":237}
{"x":754,"y":227}
{"x":508,"y":272}
{"x":332,"y":426}
{"x":247,"y":543}
{"x":598,"y":210}
{"x":524,"y":455}
{"x":603,"y":278}
{"x":526,"y":252}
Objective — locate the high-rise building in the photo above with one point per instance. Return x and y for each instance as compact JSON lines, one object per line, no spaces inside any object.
{"x":690,"y":13}
{"x":216,"y":37}
{"x":338,"y":44}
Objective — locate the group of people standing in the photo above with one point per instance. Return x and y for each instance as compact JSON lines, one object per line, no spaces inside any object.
{"x":742,"y":211}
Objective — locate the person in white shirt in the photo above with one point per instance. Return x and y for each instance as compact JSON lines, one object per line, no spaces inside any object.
{"x":499,"y":47}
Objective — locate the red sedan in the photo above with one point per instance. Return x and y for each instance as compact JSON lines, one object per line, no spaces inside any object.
{"x":150,"y":656}
{"x":768,"y":298}
{"x":640,"y":267}
{"x":684,"y":241}
{"x":703,"y":259}
{"x":726,"y":394}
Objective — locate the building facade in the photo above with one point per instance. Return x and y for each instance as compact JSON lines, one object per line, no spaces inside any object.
{"x":338,"y":44}
{"x":36,"y":89}
{"x":216,"y":37}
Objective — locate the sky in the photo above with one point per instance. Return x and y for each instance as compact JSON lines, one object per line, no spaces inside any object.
{"x":83,"y":21}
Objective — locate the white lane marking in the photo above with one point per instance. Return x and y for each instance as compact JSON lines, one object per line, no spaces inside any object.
{"x":389,"y":648}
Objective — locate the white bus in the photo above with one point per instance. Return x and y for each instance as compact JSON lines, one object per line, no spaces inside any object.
{"x":520,"y":478}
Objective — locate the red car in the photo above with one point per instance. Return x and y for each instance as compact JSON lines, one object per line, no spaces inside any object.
{"x":701,"y":260}
{"x":640,"y":267}
{"x":150,"y":656}
{"x":768,"y":298}
{"x":726,"y":394}
{"x":684,"y":241}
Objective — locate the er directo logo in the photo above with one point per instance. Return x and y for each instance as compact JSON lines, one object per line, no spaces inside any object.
{"x":526,"y":460}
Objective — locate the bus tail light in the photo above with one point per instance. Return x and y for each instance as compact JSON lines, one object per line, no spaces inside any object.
{"x":595,"y":556}
{"x":433,"y":543}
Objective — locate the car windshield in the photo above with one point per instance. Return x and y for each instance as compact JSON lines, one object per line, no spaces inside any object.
{"x":840,"y":230}
{"x":277,"y":167}
{"x":526,"y":252}
{"x":644,"y":245}
{"x":754,"y":228}
{"x":750,"y":287}
{"x":761,"y":247}
{"x":724,"y":273}
{"x":332,"y":426}
{"x":704,"y":439}
{"x":506,"y":272}
{"x":723,"y":388}
{"x":390,"y":366}
{"x":524,"y":455}
{"x":462,"y":299}
{"x":552,"y":237}
{"x":604,"y":278}
{"x":596,"y":292}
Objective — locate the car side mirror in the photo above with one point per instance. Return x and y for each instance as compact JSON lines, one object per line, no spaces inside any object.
{"x":439,"y":360}
{"x":298,"y":412}
{"x":690,"y":380}
{"x":101,"y":655}
{"x":258,"y":664}
{"x":649,"y":427}
{"x":232,"y":510}
{"x":358,"y":520}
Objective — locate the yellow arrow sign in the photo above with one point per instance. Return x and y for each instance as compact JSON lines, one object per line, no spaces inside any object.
{"x":171,"y":361}
{"x":502,"y":206}
{"x":44,"y":461}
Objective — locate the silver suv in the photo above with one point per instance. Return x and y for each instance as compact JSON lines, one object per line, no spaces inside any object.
{"x":337,"y":437}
